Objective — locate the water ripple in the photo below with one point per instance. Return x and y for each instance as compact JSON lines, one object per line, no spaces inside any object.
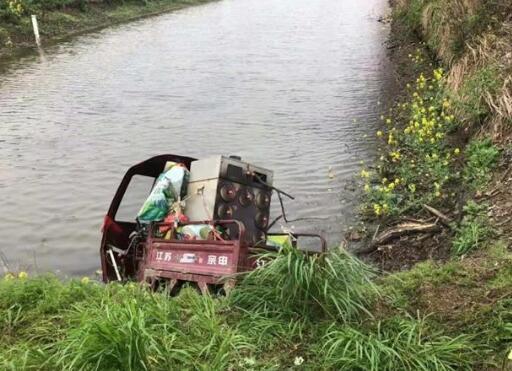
{"x":290,"y":85}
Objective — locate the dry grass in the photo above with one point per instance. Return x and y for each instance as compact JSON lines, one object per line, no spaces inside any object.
{"x":442,"y":25}
{"x":489,"y":49}
{"x":473,"y":39}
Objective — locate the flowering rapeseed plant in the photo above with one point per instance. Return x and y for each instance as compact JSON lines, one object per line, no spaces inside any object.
{"x":22,"y":275}
{"x":15,"y":7}
{"x":417,"y":155}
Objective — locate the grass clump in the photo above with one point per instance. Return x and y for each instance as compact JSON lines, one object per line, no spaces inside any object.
{"x":396,"y":344}
{"x":296,"y":310}
{"x":481,"y":158}
{"x":474,"y":229}
{"x":471,"y":101}
{"x":334,"y":285}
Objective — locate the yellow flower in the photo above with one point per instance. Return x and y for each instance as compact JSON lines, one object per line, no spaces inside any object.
{"x":85,"y":280}
{"x":377,"y":209}
{"x":8,"y":277}
{"x":367,"y":188}
{"x":456,"y":151}
{"x":395,"y":156}
{"x":438,"y":74}
{"x":22,"y":275}
{"x":365,"y":174}
{"x":388,"y":121}
{"x":379,"y":133}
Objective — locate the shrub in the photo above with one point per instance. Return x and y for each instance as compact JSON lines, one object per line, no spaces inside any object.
{"x":12,"y":10}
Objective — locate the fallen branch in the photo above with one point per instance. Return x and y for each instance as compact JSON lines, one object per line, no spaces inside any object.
{"x":442,"y":217}
{"x":398,"y":231}
{"x":404,"y":229}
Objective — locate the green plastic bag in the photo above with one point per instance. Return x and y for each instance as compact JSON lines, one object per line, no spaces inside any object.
{"x":171,"y":186}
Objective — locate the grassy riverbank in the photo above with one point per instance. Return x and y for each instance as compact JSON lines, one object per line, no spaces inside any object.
{"x":446,"y":142}
{"x":59,"y":19}
{"x":441,"y":190}
{"x":298,"y":312}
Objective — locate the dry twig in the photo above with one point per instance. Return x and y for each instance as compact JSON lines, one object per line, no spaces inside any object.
{"x":398,"y":231}
{"x":442,"y":217}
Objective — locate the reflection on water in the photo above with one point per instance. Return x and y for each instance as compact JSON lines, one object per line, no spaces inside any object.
{"x":291,"y":85}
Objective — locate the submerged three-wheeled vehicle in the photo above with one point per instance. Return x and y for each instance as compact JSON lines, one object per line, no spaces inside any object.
{"x":224,"y":196}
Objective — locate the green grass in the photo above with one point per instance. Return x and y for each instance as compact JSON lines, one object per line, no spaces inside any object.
{"x":470,"y":100}
{"x":411,"y":15}
{"x":400,"y":343}
{"x":467,"y":297}
{"x":72,"y":17}
{"x":481,"y":158}
{"x":335,"y":286}
{"x":318,"y":315}
{"x":473,"y":231}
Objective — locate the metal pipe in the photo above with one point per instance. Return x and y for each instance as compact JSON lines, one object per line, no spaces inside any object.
{"x":113,"y":260}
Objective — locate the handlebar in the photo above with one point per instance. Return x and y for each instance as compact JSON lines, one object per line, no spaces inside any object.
{"x":296,"y":236}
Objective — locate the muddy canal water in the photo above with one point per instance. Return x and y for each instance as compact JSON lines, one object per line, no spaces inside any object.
{"x":292,"y":85}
